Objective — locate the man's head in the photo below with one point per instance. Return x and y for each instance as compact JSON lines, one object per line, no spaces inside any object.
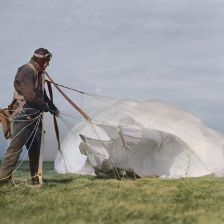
{"x":42,"y":57}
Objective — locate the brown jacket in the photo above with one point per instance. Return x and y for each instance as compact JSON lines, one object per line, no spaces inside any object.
{"x":29,"y":84}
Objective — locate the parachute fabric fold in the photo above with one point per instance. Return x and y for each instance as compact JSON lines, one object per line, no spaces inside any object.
{"x":147,"y":138}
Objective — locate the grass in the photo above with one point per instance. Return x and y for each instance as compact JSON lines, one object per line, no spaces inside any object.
{"x":85,"y":199}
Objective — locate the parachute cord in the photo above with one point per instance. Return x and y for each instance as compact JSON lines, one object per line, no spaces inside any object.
{"x":85,"y":93}
{"x":23,"y":129}
{"x":71,"y":116}
{"x":159,"y":122}
{"x":115,"y":168}
{"x":188,"y":164}
{"x":95,"y":133}
{"x":36,"y":127}
{"x":21,"y":115}
{"x":98,"y":137}
{"x":66,"y":123}
{"x":118,"y":102}
{"x":27,"y":108}
{"x":67,"y":127}
{"x":91,"y":125}
{"x":25,"y":142}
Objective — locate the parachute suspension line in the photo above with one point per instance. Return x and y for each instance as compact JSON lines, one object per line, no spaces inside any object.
{"x":69,"y":100}
{"x":35,"y":128}
{"x":98,"y":97}
{"x":66,"y":124}
{"x":110,"y":99}
{"x":188,"y":163}
{"x":76,"y":107}
{"x":115,"y":168}
{"x":9,"y":118}
{"x":102,"y":99}
{"x":23,"y":129}
{"x":85,"y":93}
{"x":71,"y":116}
{"x":119,"y":103}
{"x":159,"y":122}
{"x":25,"y":141}
{"x":25,"y":109}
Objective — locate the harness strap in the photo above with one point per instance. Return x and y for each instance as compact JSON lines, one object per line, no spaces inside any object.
{"x":32,"y":67}
{"x":54,"y":117}
{"x":88,"y":119}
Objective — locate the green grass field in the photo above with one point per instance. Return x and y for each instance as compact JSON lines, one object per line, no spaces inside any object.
{"x":85,"y":199}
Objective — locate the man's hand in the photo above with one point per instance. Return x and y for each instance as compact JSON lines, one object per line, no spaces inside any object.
{"x":55,"y":112}
{"x":45,"y":108}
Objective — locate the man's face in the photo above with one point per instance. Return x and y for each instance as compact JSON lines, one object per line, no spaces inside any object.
{"x":43,"y":64}
{"x":46,"y":64}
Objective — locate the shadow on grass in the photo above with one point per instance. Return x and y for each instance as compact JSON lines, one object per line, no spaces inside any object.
{"x":58,"y":181}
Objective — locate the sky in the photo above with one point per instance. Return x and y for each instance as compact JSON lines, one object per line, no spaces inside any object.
{"x":170,"y":50}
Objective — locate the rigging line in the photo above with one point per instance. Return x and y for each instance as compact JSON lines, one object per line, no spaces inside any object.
{"x":38,"y":122}
{"x":24,"y":143}
{"x":96,"y":95}
{"x":104,"y":99}
{"x":107,"y":101}
{"x":75,"y":106}
{"x":4,"y":178}
{"x":67,"y":124}
{"x":24,"y":109}
{"x":159,"y":122}
{"x":21,"y":115}
{"x":115,"y":168}
{"x":71,"y":116}
{"x":163,"y":124}
{"x":23,"y":129}
{"x":64,"y":121}
{"x":27,"y":116}
{"x":120,"y":102}
{"x":101,"y":96}
{"x":82,"y":92}
{"x":27,"y":108}
{"x":63,"y":156}
{"x":111,"y":139}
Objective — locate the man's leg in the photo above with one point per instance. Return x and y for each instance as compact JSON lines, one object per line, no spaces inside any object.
{"x":33,"y":146}
{"x":14,"y":150}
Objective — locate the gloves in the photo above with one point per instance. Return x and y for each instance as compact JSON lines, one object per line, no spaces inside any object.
{"x":55,"y":112}
{"x":44,"y":108}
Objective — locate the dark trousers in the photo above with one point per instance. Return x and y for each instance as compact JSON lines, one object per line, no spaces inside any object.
{"x":26,"y":132}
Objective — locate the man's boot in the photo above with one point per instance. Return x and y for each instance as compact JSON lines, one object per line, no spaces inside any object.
{"x":37,"y":181}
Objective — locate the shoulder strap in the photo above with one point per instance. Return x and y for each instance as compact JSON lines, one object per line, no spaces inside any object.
{"x":54,"y":117}
{"x":32,"y":67}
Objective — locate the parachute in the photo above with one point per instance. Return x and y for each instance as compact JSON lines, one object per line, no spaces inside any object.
{"x":142,"y":139}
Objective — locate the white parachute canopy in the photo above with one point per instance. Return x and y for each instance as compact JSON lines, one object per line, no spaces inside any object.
{"x":147,"y":138}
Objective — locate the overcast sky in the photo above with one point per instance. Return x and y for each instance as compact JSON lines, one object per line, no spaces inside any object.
{"x":165,"y":49}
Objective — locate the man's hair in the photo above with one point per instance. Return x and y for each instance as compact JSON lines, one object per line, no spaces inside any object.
{"x":41,"y":54}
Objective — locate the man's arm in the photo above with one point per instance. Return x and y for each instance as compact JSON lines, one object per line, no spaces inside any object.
{"x":50,"y":103}
{"x":26,"y":85}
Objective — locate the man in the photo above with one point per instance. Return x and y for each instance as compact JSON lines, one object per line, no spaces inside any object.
{"x":32,"y":101}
